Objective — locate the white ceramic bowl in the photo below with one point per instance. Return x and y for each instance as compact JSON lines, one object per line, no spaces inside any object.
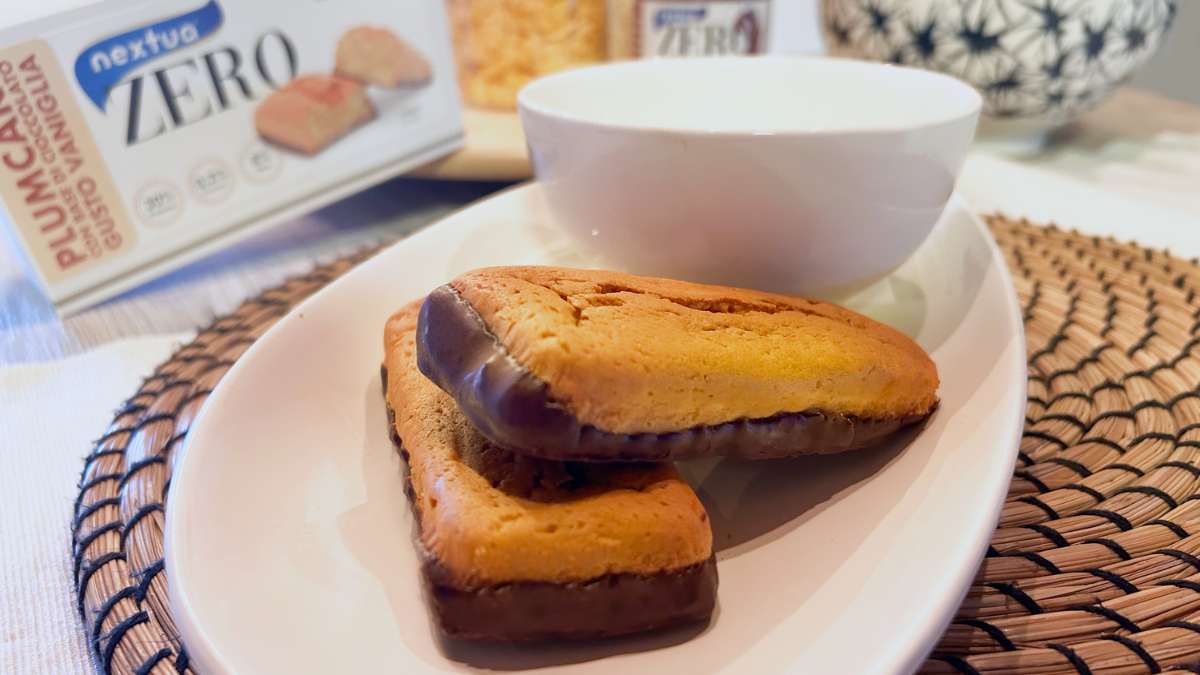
{"x":789,"y":174}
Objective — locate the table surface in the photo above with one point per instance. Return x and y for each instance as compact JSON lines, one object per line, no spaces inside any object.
{"x":1136,"y":140}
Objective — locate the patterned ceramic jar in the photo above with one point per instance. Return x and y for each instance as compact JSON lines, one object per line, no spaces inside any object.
{"x":1038,"y":63}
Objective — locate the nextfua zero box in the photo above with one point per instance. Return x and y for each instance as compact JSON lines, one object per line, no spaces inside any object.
{"x":138,"y":135}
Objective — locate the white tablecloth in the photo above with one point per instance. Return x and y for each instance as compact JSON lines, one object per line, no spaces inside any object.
{"x":48,"y":411}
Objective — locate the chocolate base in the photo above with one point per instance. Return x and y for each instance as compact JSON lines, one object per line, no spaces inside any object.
{"x":513,"y":407}
{"x":529,"y":611}
{"x":608,"y":606}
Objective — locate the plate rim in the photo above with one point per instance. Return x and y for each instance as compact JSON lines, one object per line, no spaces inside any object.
{"x":983,"y":537}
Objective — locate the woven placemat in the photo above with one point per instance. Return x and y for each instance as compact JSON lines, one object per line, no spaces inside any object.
{"x":1093,"y":568}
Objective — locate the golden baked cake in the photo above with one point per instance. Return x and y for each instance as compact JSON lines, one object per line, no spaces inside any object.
{"x":312,"y":111}
{"x":374,"y":55}
{"x":520,"y":548}
{"x":593,"y":365}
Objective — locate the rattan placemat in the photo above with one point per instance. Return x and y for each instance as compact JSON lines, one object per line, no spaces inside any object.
{"x":1094,"y":567}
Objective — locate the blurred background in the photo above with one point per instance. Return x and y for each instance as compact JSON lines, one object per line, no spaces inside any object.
{"x":1173,"y":70}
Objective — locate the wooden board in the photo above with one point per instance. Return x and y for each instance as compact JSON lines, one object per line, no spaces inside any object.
{"x":495,"y":150}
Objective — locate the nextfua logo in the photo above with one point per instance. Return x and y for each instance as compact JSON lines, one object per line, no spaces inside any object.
{"x":195,"y":84}
{"x":142,"y":48}
{"x":102,"y":65}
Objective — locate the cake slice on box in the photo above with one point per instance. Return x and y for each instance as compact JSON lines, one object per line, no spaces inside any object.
{"x":376,"y":56}
{"x":312,"y":111}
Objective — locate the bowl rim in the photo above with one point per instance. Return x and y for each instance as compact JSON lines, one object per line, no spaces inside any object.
{"x":527,"y":103}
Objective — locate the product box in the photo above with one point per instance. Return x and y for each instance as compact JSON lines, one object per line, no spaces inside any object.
{"x":673,"y":28}
{"x":136,"y":136}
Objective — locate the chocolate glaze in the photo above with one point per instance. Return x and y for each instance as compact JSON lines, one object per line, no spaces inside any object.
{"x":527,"y":611}
{"x":611,"y":605}
{"x":513,"y":407}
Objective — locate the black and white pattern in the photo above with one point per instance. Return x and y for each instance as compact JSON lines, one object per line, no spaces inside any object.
{"x":1029,"y":58}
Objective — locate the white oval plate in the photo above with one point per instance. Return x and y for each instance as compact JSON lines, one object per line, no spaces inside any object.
{"x":289,"y":536}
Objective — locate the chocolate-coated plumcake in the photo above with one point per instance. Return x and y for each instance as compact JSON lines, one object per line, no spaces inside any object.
{"x":518,"y":548}
{"x":602,"y":366}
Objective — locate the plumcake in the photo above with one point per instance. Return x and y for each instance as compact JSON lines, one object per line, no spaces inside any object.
{"x":517,"y":548}
{"x":602,"y":366}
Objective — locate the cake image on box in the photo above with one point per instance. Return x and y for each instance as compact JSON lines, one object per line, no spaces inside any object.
{"x":377,"y":56}
{"x":312,"y":111}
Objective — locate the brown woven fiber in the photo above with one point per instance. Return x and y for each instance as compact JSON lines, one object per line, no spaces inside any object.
{"x":1095,"y":564}
{"x":118,"y":526}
